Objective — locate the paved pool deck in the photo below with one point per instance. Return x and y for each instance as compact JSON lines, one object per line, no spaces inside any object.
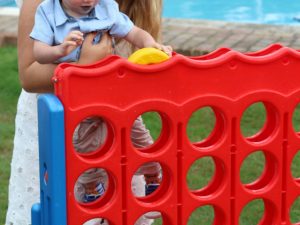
{"x":196,"y":37}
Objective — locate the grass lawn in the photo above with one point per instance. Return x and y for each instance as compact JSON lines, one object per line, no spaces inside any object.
{"x":9,"y":92}
{"x":200,"y":126}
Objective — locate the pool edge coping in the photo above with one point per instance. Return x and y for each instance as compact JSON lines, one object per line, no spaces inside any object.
{"x":9,"y":11}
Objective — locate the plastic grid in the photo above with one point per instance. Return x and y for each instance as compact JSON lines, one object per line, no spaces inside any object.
{"x":225,"y":80}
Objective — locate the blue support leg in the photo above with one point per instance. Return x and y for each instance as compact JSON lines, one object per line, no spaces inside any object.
{"x":52,"y":209}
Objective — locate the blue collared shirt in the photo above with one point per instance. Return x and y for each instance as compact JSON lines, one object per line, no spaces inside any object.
{"x":52,"y":24}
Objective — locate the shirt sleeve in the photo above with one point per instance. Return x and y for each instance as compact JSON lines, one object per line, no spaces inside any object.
{"x":122,"y":26}
{"x":42,"y":30}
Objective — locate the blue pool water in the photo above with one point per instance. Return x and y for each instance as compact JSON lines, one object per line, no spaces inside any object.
{"x":253,"y":11}
{"x":7,"y":3}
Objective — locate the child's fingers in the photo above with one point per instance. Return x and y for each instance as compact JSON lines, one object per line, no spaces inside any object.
{"x":79,"y":41}
{"x":167,"y":49}
{"x":158,"y":46}
{"x":70,"y":43}
{"x":75,"y":36}
{"x":77,"y":32}
{"x":66,"y":47}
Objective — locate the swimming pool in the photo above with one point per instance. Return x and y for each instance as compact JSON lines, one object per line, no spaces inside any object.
{"x":253,"y":11}
{"x":250,"y":11}
{"x":7,"y":3}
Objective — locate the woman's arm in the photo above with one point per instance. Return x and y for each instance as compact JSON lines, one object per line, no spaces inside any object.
{"x":35,"y":77}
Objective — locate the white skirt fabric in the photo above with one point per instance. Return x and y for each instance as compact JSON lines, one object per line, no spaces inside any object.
{"x":24,"y":180}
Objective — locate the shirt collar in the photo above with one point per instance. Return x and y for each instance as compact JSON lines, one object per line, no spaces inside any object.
{"x":99,"y":12}
{"x":60,"y":16}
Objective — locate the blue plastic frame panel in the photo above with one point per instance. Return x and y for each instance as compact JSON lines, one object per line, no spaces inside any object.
{"x":52,"y":208}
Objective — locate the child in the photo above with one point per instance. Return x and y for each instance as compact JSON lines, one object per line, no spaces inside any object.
{"x":60,"y":27}
{"x":58,"y":33}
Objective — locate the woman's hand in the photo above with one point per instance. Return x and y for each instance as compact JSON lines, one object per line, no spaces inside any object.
{"x":91,"y":53}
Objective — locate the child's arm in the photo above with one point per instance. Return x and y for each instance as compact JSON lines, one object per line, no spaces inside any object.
{"x":142,"y":39}
{"x":45,"y":53}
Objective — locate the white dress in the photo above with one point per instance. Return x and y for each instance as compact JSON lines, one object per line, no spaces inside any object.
{"x":24,"y":179}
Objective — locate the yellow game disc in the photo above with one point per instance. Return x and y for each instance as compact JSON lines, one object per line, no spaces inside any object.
{"x":146,"y":56}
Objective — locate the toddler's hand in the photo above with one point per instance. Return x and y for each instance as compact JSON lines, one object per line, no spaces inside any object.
{"x":71,"y":42}
{"x":165,"y":48}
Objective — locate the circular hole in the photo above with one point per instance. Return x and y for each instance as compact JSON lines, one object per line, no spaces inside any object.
{"x":295,"y":211}
{"x":258,"y":121}
{"x":91,"y":185}
{"x":152,"y":176}
{"x":200,"y":173}
{"x":258,"y":170}
{"x":295,"y":167}
{"x":204,"y":215}
{"x":153,"y":122}
{"x":91,"y":134}
{"x":146,"y":130}
{"x":205,"y":127}
{"x":252,"y":167}
{"x":205,"y":176}
{"x":253,"y":119}
{"x":154,"y":216}
{"x":296,"y":119}
{"x":201,"y":124}
{"x":252,"y":213}
{"x":97,"y":221}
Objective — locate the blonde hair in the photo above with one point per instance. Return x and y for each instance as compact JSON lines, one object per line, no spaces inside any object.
{"x":145,"y":14}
